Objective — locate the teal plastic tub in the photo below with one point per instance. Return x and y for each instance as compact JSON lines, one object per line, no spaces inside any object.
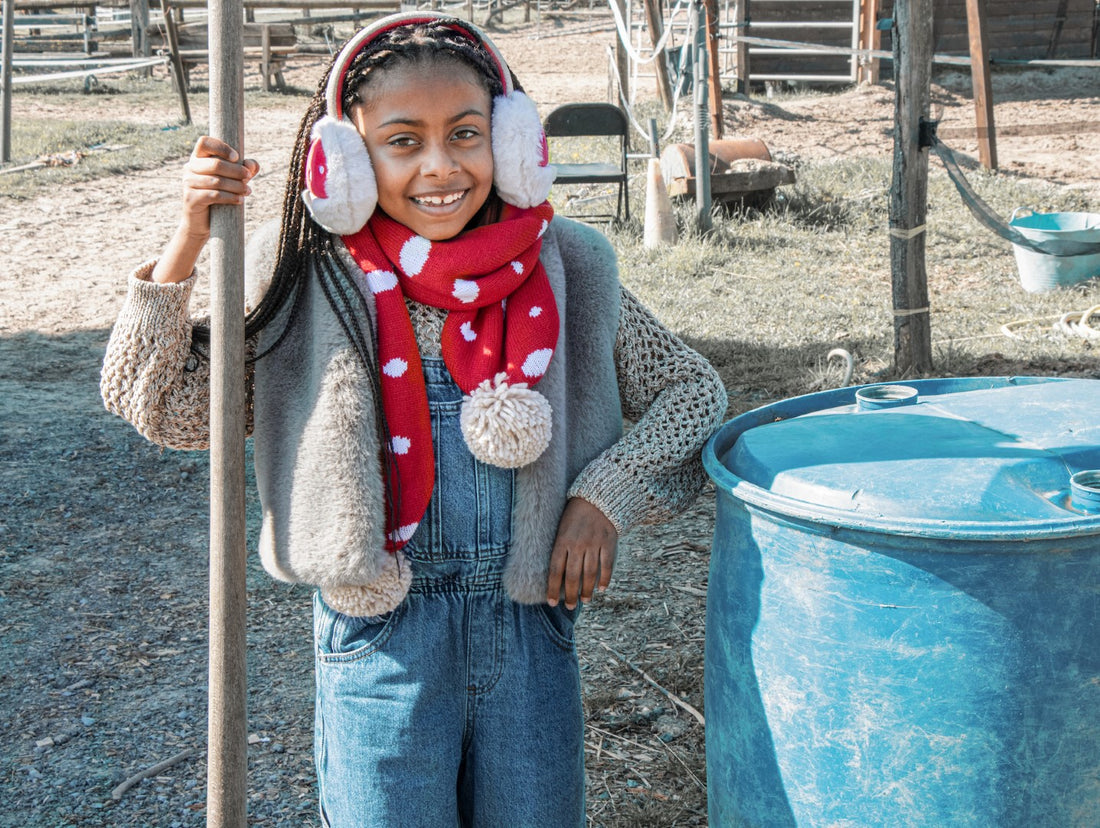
{"x":1039,"y":272}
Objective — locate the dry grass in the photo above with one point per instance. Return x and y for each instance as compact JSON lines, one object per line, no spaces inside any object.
{"x":76,"y":150}
{"x":768,"y":294}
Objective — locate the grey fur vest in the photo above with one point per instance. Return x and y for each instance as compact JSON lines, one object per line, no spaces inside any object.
{"x":317,"y":455}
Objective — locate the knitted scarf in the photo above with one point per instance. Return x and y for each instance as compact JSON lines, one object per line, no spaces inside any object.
{"x":501,"y":329}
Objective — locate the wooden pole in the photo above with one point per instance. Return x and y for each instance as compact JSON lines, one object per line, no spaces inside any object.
{"x":909,"y":188}
{"x":980,"y":81}
{"x":740,"y":47}
{"x":227,"y":751}
{"x":656,"y":29}
{"x":5,"y":79}
{"x":139,"y":28}
{"x":622,"y":63}
{"x":265,"y":59}
{"x":870,"y":39}
{"x":714,"y":69}
{"x":174,"y":58}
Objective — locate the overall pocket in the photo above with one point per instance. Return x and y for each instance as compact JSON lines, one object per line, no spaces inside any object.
{"x":558,"y":623}
{"x":340,"y":639}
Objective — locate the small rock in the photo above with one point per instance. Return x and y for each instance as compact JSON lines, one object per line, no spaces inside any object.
{"x":87,"y":721}
{"x":670,"y":727}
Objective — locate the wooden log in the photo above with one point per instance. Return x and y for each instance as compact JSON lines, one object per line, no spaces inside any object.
{"x":909,"y":187}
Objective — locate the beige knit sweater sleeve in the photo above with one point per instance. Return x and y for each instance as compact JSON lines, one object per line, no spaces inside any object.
{"x":676,"y":401}
{"x":150,"y":377}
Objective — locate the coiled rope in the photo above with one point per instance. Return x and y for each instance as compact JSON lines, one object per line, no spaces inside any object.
{"x":1072,"y":324}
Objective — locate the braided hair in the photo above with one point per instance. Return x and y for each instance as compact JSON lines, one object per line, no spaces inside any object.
{"x":307,"y":250}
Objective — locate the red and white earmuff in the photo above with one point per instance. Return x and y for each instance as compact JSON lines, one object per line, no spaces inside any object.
{"x":340,"y":190}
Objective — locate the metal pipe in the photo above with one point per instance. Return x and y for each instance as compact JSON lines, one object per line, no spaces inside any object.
{"x":702,"y":120}
{"x":5,"y":79}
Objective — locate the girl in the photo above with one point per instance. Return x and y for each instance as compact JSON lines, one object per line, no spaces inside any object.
{"x":440,"y":371}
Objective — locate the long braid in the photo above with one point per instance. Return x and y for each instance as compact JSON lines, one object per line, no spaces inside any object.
{"x":306,"y":249}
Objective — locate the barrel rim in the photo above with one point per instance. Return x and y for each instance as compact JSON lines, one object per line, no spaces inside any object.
{"x":791,"y":508}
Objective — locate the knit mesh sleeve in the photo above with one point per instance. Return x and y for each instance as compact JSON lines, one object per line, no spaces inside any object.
{"x":676,"y":401}
{"x":150,"y":377}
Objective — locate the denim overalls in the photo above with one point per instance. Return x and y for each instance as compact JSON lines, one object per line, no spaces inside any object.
{"x":460,"y":707}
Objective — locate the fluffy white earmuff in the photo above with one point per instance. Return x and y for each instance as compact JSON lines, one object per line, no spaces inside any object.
{"x":521,"y":162}
{"x":340,"y":190}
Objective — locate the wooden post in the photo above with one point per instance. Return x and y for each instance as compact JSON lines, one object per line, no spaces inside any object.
{"x":622,"y":64}
{"x":265,"y":56}
{"x":909,"y":187}
{"x":174,"y":58}
{"x":656,"y":29}
{"x":740,"y":47}
{"x":5,"y":79}
{"x":870,"y":39}
{"x":714,"y":73}
{"x":227,"y":751}
{"x":980,"y":81}
{"x":139,"y":28}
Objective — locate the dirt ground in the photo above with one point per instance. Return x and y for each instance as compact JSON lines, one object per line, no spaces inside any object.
{"x":103,"y":537}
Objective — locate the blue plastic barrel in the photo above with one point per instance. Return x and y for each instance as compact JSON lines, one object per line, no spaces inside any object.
{"x":903,"y":613}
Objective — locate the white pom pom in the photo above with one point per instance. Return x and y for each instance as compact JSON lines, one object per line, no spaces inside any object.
{"x":506,"y":424}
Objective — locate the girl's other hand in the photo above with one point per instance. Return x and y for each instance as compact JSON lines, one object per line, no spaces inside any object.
{"x":583,"y":556}
{"x":211,"y":176}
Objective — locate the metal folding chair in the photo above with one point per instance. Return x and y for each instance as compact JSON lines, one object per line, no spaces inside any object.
{"x":593,"y":119}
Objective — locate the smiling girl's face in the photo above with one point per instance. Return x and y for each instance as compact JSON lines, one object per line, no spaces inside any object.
{"x":427,"y":130}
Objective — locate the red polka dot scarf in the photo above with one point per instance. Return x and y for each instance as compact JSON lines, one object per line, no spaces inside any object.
{"x":499,"y":334}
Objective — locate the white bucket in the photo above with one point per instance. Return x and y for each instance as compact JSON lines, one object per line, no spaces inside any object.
{"x":1040,"y":272}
